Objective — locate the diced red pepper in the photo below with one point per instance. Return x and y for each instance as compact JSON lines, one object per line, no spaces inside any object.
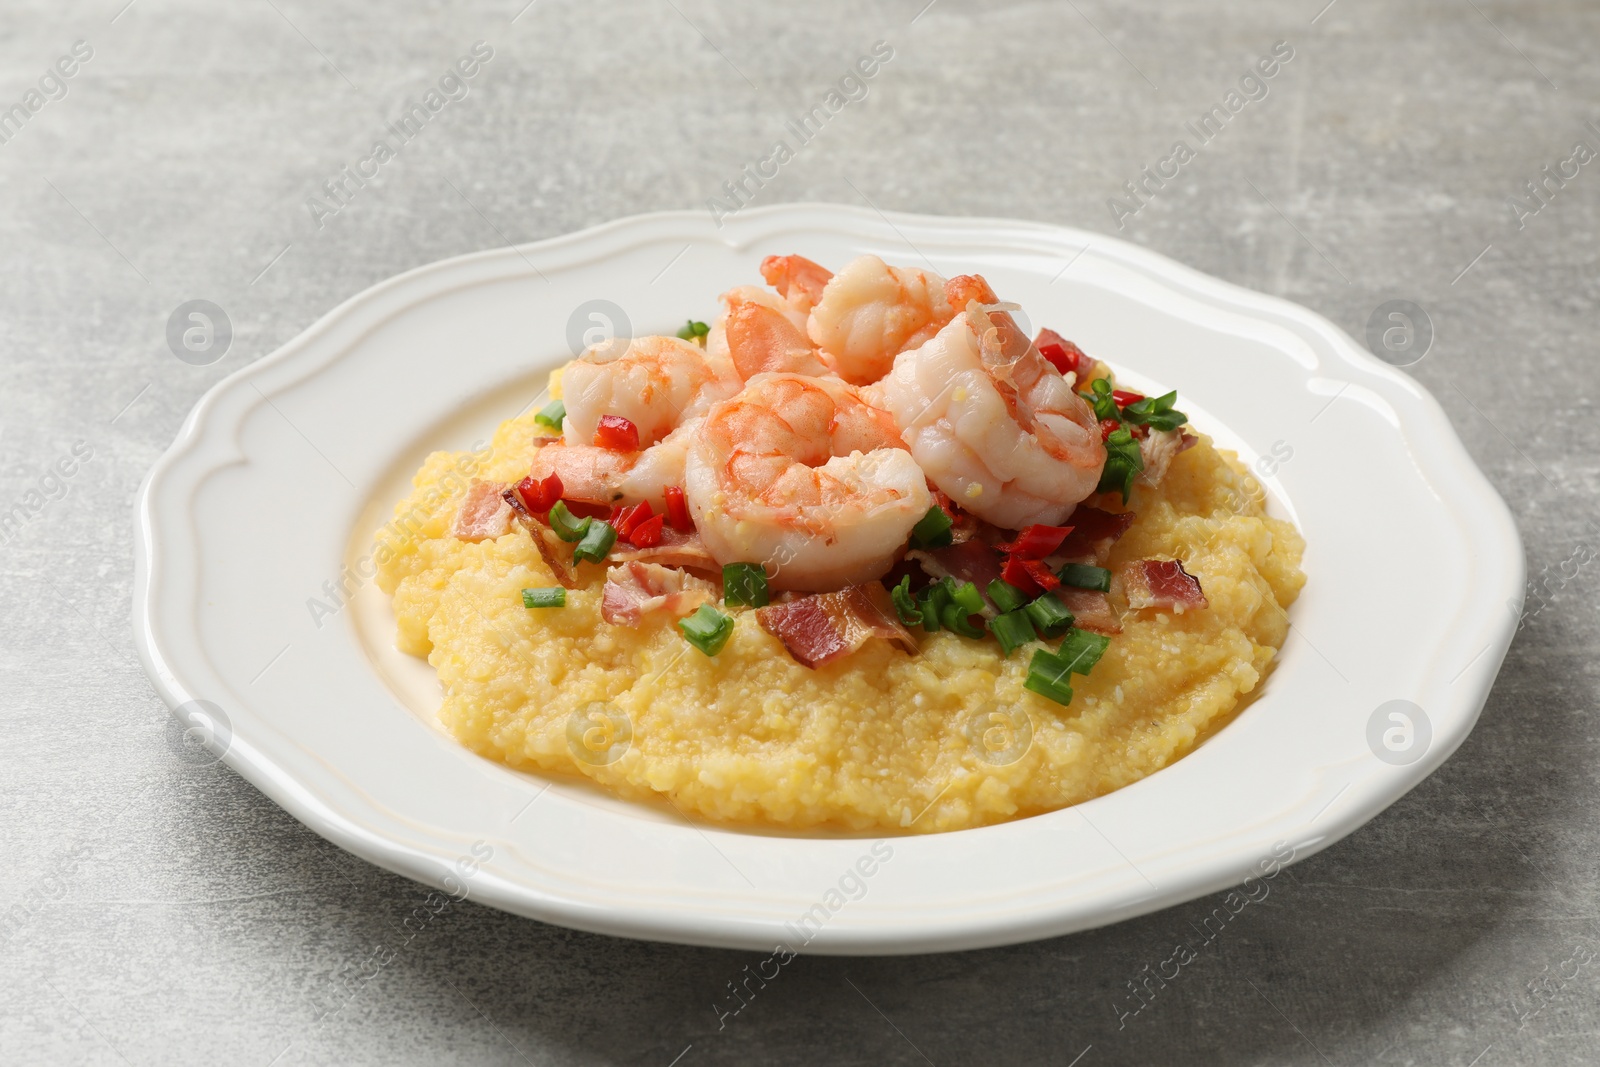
{"x":626,"y":520}
{"x":617,"y":434}
{"x":1029,"y":575}
{"x":1063,"y":355}
{"x":539,"y":497}
{"x":1109,"y":426}
{"x":647,"y":534}
{"x":678,"y":508}
{"x":1037,"y":542}
{"x":1124,"y":397}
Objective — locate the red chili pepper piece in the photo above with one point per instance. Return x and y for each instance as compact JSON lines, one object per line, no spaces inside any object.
{"x":1107,"y":426}
{"x":647,"y":533}
{"x":678,"y":508}
{"x":627,"y":519}
{"x":1029,"y":575}
{"x":539,"y":497}
{"x":1124,"y":397}
{"x":1041,"y":574}
{"x":1037,"y":542}
{"x":1063,"y":355}
{"x":617,"y":434}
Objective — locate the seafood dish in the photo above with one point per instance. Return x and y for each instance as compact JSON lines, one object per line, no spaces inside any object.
{"x":855,"y":554}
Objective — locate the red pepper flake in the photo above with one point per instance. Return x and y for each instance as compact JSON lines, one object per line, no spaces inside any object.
{"x":678,"y":509}
{"x":617,"y":434}
{"x":1108,"y":426}
{"x":1124,"y":397}
{"x":1029,"y":575}
{"x":1037,"y":542}
{"x":539,"y":497}
{"x":647,"y":534}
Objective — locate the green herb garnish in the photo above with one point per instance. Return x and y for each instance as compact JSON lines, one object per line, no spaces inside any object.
{"x":568,"y":526}
{"x":933,"y":529}
{"x":552,"y":597}
{"x":905,"y":604}
{"x":1100,"y":398}
{"x":707,"y":629}
{"x":1081,"y":651}
{"x":1155,"y":412}
{"x":1006,"y":596}
{"x":551,"y":414}
{"x":1123,"y":463}
{"x":1012,"y":629}
{"x":1049,"y":615}
{"x":692,"y":330}
{"x":1048,"y":677}
{"x":745,"y":583}
{"x":1085,"y":576}
{"x":596,"y":543}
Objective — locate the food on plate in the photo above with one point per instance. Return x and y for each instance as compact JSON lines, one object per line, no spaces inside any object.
{"x":857,"y":554}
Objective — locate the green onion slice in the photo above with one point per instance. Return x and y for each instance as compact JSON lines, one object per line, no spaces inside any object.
{"x":1006,"y":596}
{"x":933,"y":529}
{"x":1049,"y":615}
{"x":707,"y":629}
{"x":551,"y":414}
{"x":552,"y":597}
{"x":1048,"y":677}
{"x":568,"y":526}
{"x":1123,"y":463}
{"x":745,"y":583}
{"x":693,"y":329}
{"x":596,"y":543}
{"x":905,"y":604}
{"x":1100,"y":398}
{"x":1081,"y":651}
{"x":1085,"y":576}
{"x":1013,"y":629}
{"x":957,"y":619}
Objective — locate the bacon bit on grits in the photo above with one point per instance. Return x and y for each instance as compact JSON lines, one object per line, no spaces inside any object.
{"x":1092,"y":610}
{"x":634,"y":590}
{"x":484,"y":514}
{"x":1161,"y":583}
{"x":822,"y":627}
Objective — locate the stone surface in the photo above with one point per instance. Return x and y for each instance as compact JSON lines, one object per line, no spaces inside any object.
{"x":164,"y":914}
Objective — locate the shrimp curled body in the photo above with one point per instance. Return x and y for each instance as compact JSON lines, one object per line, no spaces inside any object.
{"x":802,"y":476}
{"x":993,"y":424}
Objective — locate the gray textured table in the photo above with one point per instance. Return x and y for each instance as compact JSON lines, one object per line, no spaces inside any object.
{"x":159,"y":913}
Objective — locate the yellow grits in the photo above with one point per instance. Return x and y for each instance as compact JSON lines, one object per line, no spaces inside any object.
{"x":879,"y":740}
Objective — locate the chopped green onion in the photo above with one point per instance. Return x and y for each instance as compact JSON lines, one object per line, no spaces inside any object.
{"x":966,"y":596}
{"x":745,"y":583}
{"x":1048,"y":677}
{"x":1100,"y":398}
{"x":1012,"y":629}
{"x":1006,"y":596}
{"x":693,"y":329}
{"x":933,"y":599}
{"x":1049,"y":615}
{"x":568,"y":526}
{"x":707,"y":629}
{"x":933,"y":529}
{"x":1155,"y":412}
{"x":1085,"y":576}
{"x":596,"y":543}
{"x":905,"y":605}
{"x":552,"y":597}
{"x":1123,"y":463}
{"x":551,"y":414}
{"x":957,"y":620}
{"x":1081,"y":651}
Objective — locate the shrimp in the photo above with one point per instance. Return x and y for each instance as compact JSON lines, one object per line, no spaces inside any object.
{"x":870,"y":312}
{"x":759,"y":332}
{"x":992,"y":423}
{"x":653,"y":382}
{"x":803,"y":476}
{"x":594,"y":475}
{"x":798,"y":280}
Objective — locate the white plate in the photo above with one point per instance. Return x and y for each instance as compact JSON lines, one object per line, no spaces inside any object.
{"x":282,"y":472}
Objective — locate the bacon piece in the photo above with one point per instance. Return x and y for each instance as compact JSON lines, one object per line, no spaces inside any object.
{"x":822,"y":627}
{"x":634,"y":590}
{"x":1161,"y":583}
{"x":1093,"y":533}
{"x":678,"y":548}
{"x":483,"y":515}
{"x":967,"y":561}
{"x":1091,"y":610}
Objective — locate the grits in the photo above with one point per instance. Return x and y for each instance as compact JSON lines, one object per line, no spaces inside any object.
{"x":879,"y":740}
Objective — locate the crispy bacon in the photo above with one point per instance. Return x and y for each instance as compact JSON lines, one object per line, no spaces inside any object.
{"x":967,"y":561}
{"x":677,"y":548}
{"x":634,"y":590}
{"x":483,"y":515}
{"x":1093,"y":533}
{"x":1091,"y":610}
{"x":1161,"y":583}
{"x":822,"y":627}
